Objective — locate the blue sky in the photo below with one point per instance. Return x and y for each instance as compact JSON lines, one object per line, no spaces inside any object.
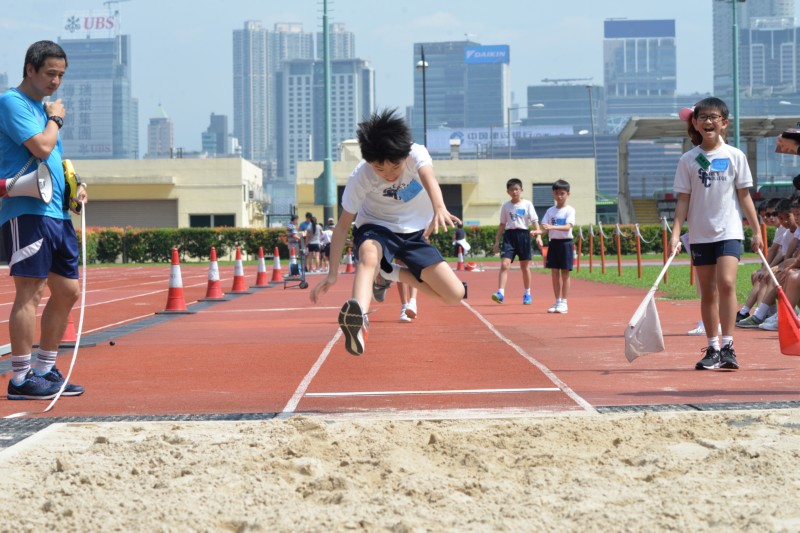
{"x":182,"y":49}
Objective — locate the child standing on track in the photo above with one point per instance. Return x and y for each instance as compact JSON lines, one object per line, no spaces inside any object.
{"x":516,"y":216}
{"x":712,"y":182}
{"x":558,"y":222}
{"x":394,"y":192}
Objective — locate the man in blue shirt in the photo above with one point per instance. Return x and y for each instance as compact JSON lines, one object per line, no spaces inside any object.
{"x":39,"y":238}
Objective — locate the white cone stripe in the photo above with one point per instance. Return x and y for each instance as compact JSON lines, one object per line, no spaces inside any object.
{"x":238,"y":270}
{"x":262,"y":267}
{"x":213,"y":271}
{"x":175,"y":280}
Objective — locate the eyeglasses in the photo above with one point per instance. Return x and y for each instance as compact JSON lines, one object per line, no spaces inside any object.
{"x":713,"y":118}
{"x":769,"y":214}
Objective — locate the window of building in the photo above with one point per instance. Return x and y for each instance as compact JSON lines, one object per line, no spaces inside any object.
{"x":212,"y":221}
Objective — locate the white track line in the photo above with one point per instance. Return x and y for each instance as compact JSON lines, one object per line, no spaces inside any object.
{"x":546,"y":371}
{"x":427,"y":392}
{"x":303,"y":387}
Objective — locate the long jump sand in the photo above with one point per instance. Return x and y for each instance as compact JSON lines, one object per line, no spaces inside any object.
{"x":679,"y":471}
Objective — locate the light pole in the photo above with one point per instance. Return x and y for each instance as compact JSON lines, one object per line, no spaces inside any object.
{"x":590,"y":88}
{"x":508,"y":120}
{"x":423,"y":66}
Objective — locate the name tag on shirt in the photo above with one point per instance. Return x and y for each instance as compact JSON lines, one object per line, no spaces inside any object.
{"x":521,"y":212}
{"x":720,"y":165}
{"x":702,"y":161}
{"x":410,"y":191}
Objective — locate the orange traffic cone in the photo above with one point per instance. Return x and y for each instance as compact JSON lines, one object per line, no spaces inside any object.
{"x":261,"y":275}
{"x":176,"y":304}
{"x":294,"y":270}
{"x":350,"y":268}
{"x":214,"y":291}
{"x":238,"y":275}
{"x":460,"y":264}
{"x":277,"y":274}
{"x":70,"y":337}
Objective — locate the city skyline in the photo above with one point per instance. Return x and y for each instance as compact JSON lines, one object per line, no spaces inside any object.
{"x":188,"y":67}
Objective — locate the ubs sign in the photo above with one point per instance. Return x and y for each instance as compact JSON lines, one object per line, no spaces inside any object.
{"x":498,"y":53}
{"x":88,"y":24}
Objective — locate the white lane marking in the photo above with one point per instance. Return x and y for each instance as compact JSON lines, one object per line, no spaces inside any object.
{"x":546,"y":371}
{"x":427,"y":392}
{"x":303,"y":387}
{"x":280,"y":309}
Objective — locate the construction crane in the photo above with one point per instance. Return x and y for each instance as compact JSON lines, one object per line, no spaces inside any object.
{"x":558,"y":81}
{"x":109,"y":2}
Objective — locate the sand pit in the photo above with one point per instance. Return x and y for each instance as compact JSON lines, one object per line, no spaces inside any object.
{"x":682,"y":471}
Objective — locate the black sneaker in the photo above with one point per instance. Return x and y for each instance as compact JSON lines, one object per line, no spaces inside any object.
{"x":379,"y":287}
{"x":741,"y":316}
{"x":710,"y":360}
{"x":355,"y":326}
{"x":33,"y":387}
{"x":55,"y":376}
{"x":728,"y":358}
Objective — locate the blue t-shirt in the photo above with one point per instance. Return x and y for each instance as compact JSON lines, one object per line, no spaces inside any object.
{"x":20,"y":119}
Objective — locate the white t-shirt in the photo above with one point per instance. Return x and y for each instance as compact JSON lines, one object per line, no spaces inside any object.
{"x":402,"y":206}
{"x":556,"y":216}
{"x":780,"y":233}
{"x":325,"y":237}
{"x":711,"y":179}
{"x":518,"y":216}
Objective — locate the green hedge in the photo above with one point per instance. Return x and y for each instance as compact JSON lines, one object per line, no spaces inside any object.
{"x":142,"y":245}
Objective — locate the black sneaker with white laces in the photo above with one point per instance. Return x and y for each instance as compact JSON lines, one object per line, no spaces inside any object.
{"x":728,"y":358}
{"x":355,"y":326}
{"x":741,"y":316}
{"x":379,"y":287}
{"x":710,"y":360}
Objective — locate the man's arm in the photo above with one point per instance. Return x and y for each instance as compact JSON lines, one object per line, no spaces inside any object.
{"x":42,"y":144}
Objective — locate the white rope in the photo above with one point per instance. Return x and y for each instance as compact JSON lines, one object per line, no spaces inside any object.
{"x":619,"y":232}
{"x":80,"y":326}
{"x":600,"y":230}
{"x":640,"y":235}
{"x":666,"y":225}
{"x":591,"y":230}
{"x":580,"y":232}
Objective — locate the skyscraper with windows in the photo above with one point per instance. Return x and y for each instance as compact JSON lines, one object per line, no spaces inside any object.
{"x":102,"y":115}
{"x":250,"y":82}
{"x":300,"y":86}
{"x":639,"y":58}
{"x":160,"y":136}
{"x":215,"y":139}
{"x":466,"y":86}
{"x":342,"y":42}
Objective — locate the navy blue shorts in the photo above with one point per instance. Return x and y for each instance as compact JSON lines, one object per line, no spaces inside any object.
{"x":706,"y":253}
{"x":37,"y":245}
{"x":410,"y":248}
{"x":517,"y":242}
{"x":560,"y":254}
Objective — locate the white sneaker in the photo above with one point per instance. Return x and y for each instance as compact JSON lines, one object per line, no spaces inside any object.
{"x":404,"y":314}
{"x":411,"y":308}
{"x":562,"y":308}
{"x":698,"y":331}
{"x":770,"y":324}
{"x":553,"y":308}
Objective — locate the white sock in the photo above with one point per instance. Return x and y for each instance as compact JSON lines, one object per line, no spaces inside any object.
{"x":45,"y":361}
{"x":761,"y":312}
{"x":745,"y":310}
{"x":713,"y":342}
{"x":20,"y":366}
{"x":394,"y":275}
{"x":502,"y":291}
{"x":527,"y":292}
{"x":726,"y":340}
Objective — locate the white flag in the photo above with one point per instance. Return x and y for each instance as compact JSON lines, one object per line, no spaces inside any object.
{"x":643,"y":334}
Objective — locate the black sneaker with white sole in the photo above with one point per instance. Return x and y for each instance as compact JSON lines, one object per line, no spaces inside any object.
{"x":379,"y":287}
{"x":727,"y":358}
{"x":355,"y":326}
{"x":710,"y":360}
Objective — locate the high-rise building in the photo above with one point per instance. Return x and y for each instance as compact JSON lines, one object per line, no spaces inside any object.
{"x":639,"y":58}
{"x":102,"y":115}
{"x":466,"y":86}
{"x":250,"y":80}
{"x":300,"y":97}
{"x":160,"y":136}
{"x":3,"y":82}
{"x":342,"y":42}
{"x":747,"y":13}
{"x":215,"y":138}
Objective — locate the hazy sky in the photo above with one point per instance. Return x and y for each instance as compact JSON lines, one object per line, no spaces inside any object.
{"x":182,"y":49}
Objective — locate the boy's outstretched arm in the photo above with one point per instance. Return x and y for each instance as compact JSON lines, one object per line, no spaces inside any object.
{"x":746,"y":204}
{"x":337,"y":245}
{"x":441,"y":216}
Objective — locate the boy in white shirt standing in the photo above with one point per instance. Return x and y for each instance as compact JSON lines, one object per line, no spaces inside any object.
{"x":516,"y":216}
{"x":558,"y":222}
{"x":394,"y":192}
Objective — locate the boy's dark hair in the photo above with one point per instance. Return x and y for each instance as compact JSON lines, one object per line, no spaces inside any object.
{"x":712,"y":103}
{"x":39,"y":52}
{"x":512,"y":182}
{"x":384,"y":136}
{"x":783,"y":206}
{"x":561,"y":185}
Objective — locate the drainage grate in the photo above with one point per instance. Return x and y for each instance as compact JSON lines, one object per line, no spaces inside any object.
{"x":739,"y":406}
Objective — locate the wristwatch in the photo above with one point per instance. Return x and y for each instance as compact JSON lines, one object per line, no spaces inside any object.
{"x":58,"y":120}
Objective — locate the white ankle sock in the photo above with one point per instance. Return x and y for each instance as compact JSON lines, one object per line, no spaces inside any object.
{"x":20,"y":366}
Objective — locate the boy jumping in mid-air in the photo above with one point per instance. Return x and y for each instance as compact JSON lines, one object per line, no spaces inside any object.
{"x":394,"y":192}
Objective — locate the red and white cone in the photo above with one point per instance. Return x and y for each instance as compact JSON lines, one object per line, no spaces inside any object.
{"x":214,"y":290}
{"x":261,"y":274}
{"x":176,"y":303}
{"x":350,"y":268}
{"x":277,"y":273}
{"x":238,"y":274}
{"x":70,"y":337}
{"x":294,"y":270}
{"x":460,"y":264}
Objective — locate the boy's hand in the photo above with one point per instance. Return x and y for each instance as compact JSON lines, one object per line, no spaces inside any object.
{"x":443,"y":218}
{"x":674,"y":243}
{"x":547,"y":227}
{"x":323,"y":286}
